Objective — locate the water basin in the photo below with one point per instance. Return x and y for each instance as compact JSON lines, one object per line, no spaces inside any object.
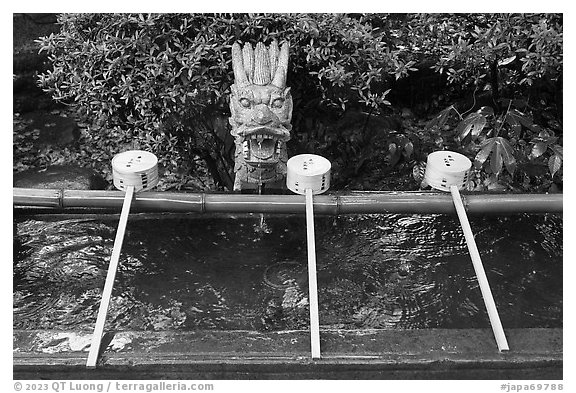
{"x":188,"y":272}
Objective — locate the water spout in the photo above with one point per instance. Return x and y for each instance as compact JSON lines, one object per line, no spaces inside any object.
{"x":260,"y":121}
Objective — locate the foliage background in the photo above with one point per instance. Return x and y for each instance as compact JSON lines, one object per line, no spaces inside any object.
{"x":375,"y":93}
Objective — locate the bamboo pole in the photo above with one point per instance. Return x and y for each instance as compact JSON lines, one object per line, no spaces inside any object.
{"x":412,"y":202}
{"x":480,"y":273}
{"x":109,"y":284}
{"x":312,"y":280}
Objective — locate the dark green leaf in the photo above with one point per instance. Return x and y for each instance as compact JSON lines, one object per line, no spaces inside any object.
{"x":506,"y":61}
{"x":521,"y":118}
{"x":486,"y":111}
{"x":525,"y":120}
{"x":472,"y":124}
{"x":544,"y":134}
{"x":507,"y":155}
{"x":538,"y":149}
{"x":554,"y":164}
{"x":484,"y":153}
{"x":557,"y":149}
{"x":496,"y":159}
{"x":441,"y":118}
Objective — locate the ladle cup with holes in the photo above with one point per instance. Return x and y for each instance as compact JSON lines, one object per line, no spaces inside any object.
{"x":132,"y":171}
{"x":309,"y":174}
{"x":448,"y":171}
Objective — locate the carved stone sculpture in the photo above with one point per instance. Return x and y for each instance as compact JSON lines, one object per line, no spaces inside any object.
{"x":261,"y":108}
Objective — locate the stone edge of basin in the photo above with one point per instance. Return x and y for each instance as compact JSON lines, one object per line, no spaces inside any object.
{"x":535,"y":353}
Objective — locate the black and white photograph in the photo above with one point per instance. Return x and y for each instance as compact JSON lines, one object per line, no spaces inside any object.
{"x":204,"y":199}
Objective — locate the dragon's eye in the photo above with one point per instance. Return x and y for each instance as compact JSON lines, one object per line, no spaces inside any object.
{"x":245,"y":102}
{"x":278,"y":102}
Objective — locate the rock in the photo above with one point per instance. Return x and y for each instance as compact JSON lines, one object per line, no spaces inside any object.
{"x":54,"y":129}
{"x":67,"y":177}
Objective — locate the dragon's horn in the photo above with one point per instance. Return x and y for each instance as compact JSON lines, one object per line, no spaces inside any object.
{"x":237,"y":65}
{"x":273,"y":53}
{"x":282,"y":69}
{"x":261,"y":75}
{"x":248,"y":54}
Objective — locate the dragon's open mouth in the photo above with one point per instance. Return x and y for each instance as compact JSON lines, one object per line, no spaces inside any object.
{"x":261,"y":147}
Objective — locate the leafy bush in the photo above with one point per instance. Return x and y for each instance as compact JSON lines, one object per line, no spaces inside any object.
{"x":503,"y":143}
{"x":516,"y":61}
{"x":161,"y":81}
{"x":513,"y":50}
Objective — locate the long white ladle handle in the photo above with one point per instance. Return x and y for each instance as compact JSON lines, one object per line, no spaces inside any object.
{"x":312,"y":281}
{"x":480,"y":273}
{"x":109,"y":284}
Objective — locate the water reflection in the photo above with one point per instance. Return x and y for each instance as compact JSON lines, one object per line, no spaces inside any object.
{"x":201,"y":272}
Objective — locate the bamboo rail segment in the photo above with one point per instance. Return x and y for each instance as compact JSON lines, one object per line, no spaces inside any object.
{"x":309,"y":174}
{"x":133,"y":170}
{"x":354,"y":202}
{"x":446,"y":170}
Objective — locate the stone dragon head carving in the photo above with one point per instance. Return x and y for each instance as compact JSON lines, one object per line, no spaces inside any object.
{"x":261,"y":109}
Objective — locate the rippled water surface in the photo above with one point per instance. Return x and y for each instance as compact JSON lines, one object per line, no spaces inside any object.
{"x":244,"y":272}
